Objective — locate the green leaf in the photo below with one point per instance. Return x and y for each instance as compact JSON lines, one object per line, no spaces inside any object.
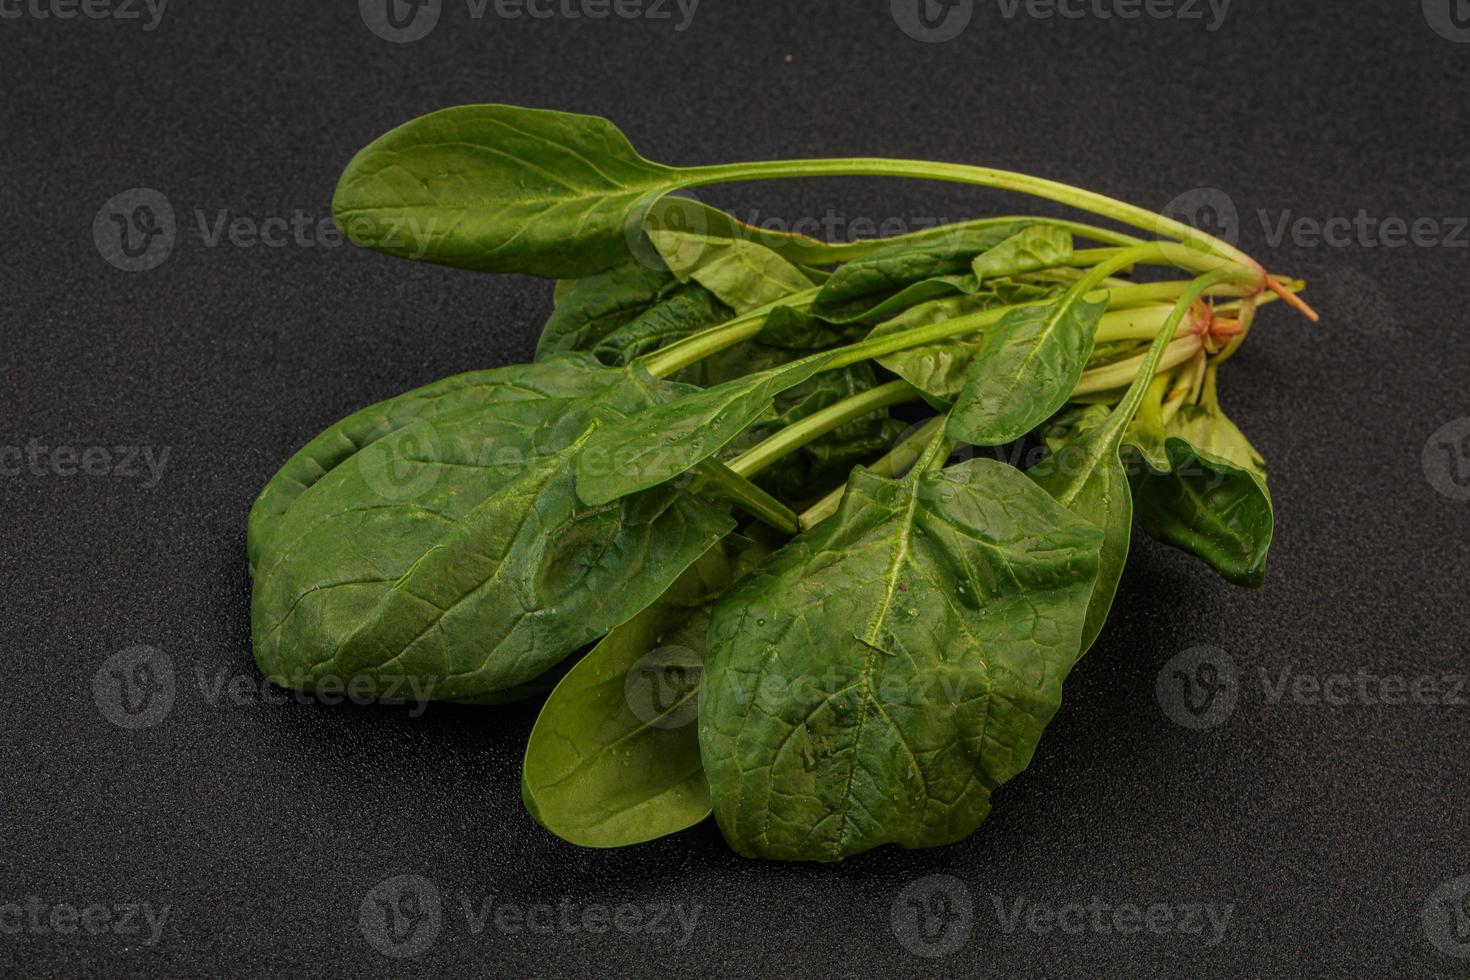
{"x":742,"y":274}
{"x":1024,"y":370}
{"x":1212,"y":501}
{"x":857,"y":287}
{"x":680,"y":313}
{"x":667,"y":439}
{"x":499,"y":188}
{"x":1085,"y":474}
{"x":589,"y":309}
{"x":876,"y":679}
{"x":452,"y":551}
{"x":939,"y":368}
{"x":1028,"y":250}
{"x":614,"y":757}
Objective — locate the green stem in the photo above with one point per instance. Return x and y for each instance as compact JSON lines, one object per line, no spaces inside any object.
{"x":751,"y":498}
{"x":1099,"y":204}
{"x":702,"y":344}
{"x":900,"y":458}
{"x":818,"y":424}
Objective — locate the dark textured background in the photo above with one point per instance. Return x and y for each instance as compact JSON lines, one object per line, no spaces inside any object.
{"x":263,"y":826}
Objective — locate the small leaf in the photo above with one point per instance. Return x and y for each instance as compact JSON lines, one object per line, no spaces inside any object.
{"x":1024,"y":370}
{"x":1028,"y":250}
{"x":742,"y":274}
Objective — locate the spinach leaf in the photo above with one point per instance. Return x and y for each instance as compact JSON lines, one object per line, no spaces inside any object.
{"x":1028,"y":250}
{"x":856,"y":287}
{"x":879,"y":676}
{"x":499,"y":188}
{"x":1211,"y":500}
{"x":940,"y":368}
{"x":1085,"y":474}
{"x":614,"y":756}
{"x":453,"y":552}
{"x":1024,"y":369}
{"x":685,"y":310}
{"x":589,"y":309}
{"x":741,"y":274}
{"x":667,"y":439}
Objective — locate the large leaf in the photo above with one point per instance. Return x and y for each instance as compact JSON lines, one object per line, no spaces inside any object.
{"x":453,"y":551}
{"x":1025,"y":369}
{"x":500,"y":188}
{"x":668,"y":439}
{"x":878,"y":677}
{"x":614,"y":756}
{"x":1212,"y":500}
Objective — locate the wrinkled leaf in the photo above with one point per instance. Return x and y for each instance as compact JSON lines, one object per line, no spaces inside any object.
{"x":876,"y":679}
{"x":452,"y":551}
{"x":589,"y":309}
{"x":741,"y":274}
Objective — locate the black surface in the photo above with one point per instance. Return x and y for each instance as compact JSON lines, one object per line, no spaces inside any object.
{"x":263,"y":826}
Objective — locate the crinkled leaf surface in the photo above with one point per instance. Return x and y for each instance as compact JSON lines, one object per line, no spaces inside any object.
{"x":453,"y":550}
{"x":614,"y":757}
{"x":591,"y":308}
{"x":879,"y":676}
{"x":1025,"y":369}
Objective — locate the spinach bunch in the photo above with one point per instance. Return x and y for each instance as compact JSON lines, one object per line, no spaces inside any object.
{"x":797,"y":614}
